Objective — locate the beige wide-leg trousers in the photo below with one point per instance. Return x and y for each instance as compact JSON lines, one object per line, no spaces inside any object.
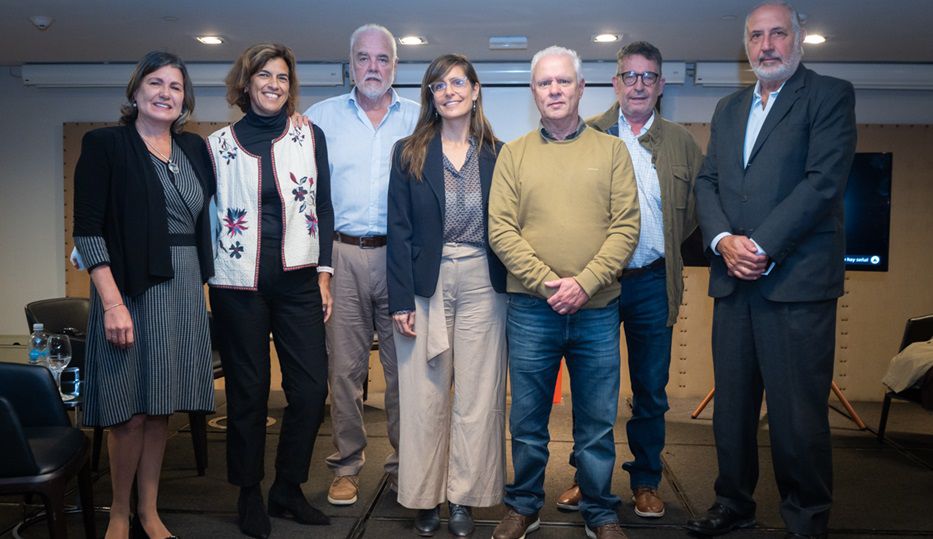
{"x":452,"y":379}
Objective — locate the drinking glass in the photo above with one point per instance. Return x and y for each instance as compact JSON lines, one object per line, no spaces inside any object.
{"x":59,"y":357}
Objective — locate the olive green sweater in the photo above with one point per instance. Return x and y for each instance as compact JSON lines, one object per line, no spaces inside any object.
{"x":564,"y":208}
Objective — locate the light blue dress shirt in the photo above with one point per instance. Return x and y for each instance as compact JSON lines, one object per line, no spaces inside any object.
{"x":360,"y":157}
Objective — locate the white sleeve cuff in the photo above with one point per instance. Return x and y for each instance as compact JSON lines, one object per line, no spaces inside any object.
{"x":715,"y":243}
{"x":325,"y":269}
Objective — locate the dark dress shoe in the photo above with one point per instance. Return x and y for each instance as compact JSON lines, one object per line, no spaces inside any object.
{"x":719,"y":520}
{"x":461,"y":520}
{"x":287,"y":499}
{"x":790,"y":535}
{"x":427,"y":521}
{"x":137,"y":531}
{"x":253,"y":519}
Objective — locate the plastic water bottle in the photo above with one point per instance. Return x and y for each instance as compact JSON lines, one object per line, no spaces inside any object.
{"x":38,"y":345}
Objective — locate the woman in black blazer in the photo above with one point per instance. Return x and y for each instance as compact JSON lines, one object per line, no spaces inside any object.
{"x":446,"y":295}
{"x":142,"y":229}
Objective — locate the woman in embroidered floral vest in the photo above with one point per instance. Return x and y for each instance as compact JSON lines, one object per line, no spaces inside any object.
{"x":142,"y":228}
{"x":272,"y":274}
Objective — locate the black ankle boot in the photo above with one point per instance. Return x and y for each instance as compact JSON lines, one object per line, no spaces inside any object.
{"x":253,"y":520}
{"x":287,"y":498}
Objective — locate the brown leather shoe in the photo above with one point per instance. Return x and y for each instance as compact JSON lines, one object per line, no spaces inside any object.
{"x":343,"y":490}
{"x":607,"y":531}
{"x":647,"y":503}
{"x":570,"y":499}
{"x":516,"y":526}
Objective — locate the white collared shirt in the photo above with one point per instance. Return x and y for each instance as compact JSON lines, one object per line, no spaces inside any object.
{"x":651,"y":238}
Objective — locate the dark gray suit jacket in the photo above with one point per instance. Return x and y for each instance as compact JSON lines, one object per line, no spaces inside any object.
{"x":789,"y":198}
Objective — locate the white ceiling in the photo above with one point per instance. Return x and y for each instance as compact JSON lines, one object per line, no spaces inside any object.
{"x":318,"y":30}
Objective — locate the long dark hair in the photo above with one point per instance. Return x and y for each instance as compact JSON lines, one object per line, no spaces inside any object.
{"x":154,"y":61}
{"x":415,"y":147}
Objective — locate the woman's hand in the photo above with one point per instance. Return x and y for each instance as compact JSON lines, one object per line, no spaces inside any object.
{"x":327,"y":301}
{"x":405,"y":323}
{"x":300,"y":120}
{"x":118,"y":326}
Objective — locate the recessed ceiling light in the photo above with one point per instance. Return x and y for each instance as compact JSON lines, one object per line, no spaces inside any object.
{"x":413,"y":40}
{"x":606,"y":38}
{"x":814,"y":39}
{"x":210,"y":40}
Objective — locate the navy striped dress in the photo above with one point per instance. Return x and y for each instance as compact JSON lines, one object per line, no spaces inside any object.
{"x":168,"y":368}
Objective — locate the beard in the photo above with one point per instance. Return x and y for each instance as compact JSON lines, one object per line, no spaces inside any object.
{"x":372,"y":90}
{"x":780,"y":72}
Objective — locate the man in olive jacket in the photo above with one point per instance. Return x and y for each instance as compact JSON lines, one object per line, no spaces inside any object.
{"x":666,"y":160}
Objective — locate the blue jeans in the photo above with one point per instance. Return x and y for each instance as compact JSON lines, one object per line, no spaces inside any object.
{"x":643,"y":311}
{"x":589,"y":342}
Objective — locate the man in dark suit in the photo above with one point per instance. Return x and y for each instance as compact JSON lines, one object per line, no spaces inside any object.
{"x":770,"y":205}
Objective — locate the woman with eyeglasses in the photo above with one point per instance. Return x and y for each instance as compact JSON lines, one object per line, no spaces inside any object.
{"x":446,"y":296}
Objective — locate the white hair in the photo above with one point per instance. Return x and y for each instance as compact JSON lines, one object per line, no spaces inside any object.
{"x":555,"y":50}
{"x":366,"y":28}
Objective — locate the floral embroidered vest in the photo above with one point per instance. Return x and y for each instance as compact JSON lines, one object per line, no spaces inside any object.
{"x":239,"y":212}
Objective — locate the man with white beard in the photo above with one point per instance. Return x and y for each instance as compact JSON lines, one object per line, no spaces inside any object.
{"x":361,"y":127}
{"x":770,"y":205}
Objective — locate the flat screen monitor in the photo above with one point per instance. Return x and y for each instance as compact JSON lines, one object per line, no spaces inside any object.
{"x":868,"y":216}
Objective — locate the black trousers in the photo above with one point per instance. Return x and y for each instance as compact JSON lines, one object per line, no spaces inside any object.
{"x":287,"y":304}
{"x":785,"y":350}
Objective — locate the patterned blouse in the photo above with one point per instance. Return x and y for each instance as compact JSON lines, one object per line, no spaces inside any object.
{"x":463,"y":219}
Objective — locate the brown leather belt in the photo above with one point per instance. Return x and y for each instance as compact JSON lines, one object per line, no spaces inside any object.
{"x":365,"y":242}
{"x":658,"y":263}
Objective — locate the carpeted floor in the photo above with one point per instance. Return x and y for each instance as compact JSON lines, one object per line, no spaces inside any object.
{"x":881,"y":489}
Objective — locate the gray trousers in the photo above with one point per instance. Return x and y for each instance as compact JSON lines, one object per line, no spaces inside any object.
{"x":361,"y":306}
{"x":452,"y":378}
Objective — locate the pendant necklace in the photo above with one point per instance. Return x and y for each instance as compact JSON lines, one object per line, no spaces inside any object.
{"x":172,"y":167}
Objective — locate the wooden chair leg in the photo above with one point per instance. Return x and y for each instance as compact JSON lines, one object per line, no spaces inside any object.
{"x":703,"y":403}
{"x":883,"y":424}
{"x":198,"y":422}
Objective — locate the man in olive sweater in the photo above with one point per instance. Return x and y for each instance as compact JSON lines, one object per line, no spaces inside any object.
{"x":563,"y":218}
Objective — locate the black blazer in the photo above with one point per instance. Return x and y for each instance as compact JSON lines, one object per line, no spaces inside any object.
{"x":118,"y":196}
{"x":416,"y":226}
{"x":789,"y":198}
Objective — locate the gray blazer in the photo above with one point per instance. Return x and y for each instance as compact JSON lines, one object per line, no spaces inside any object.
{"x":789,"y":198}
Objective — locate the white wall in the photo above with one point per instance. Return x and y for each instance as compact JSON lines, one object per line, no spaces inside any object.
{"x":31,"y":175}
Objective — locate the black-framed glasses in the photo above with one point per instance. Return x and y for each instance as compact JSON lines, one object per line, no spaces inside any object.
{"x":629,"y":78}
{"x":441,"y":85}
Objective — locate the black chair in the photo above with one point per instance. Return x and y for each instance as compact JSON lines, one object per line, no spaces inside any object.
{"x":918,"y":329}
{"x":69,"y":316}
{"x":40,"y":450}
{"x":62,"y":315}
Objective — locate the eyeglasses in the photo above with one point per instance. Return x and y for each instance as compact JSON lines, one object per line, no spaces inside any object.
{"x":456,"y":83}
{"x":546,"y":83}
{"x":648,"y":78}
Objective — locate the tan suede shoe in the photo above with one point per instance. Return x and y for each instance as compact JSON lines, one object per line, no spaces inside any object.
{"x":343,"y":490}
